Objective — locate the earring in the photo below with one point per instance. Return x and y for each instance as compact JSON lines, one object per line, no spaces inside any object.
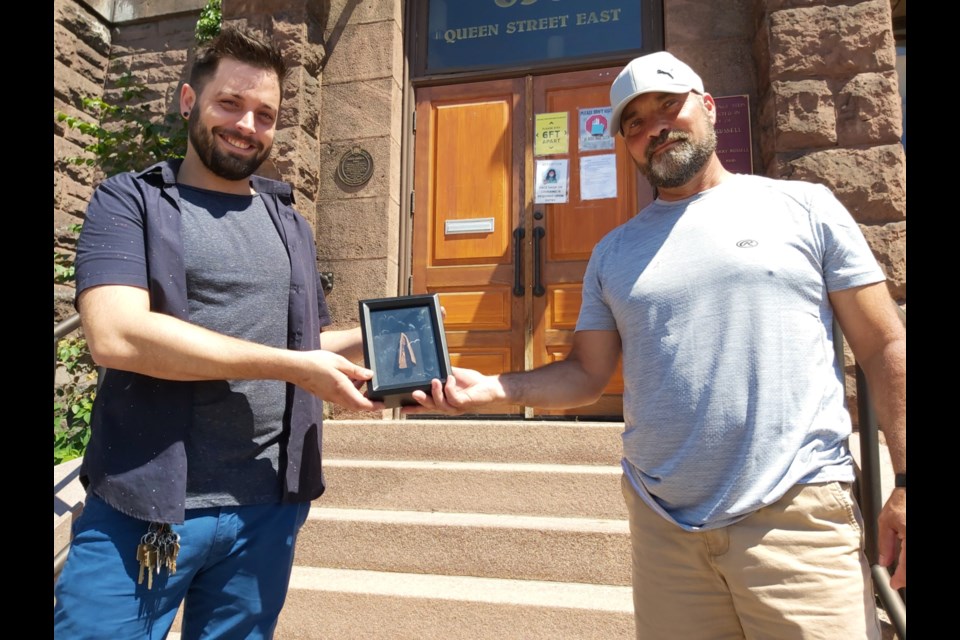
{"x":186,"y":114}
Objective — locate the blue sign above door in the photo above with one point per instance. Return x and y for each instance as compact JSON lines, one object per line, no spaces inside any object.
{"x":486,"y":34}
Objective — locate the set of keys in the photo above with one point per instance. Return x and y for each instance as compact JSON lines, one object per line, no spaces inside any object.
{"x":158,"y":548}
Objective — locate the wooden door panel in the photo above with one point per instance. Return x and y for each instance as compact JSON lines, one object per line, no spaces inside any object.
{"x":485,"y":352}
{"x":480,"y":359}
{"x":473,"y":181}
{"x":563,"y":305}
{"x":576,"y":226}
{"x":473,"y":190}
{"x":572,"y":229}
{"x":558,"y":352}
{"x":468,"y":171}
{"x":494,"y":359}
{"x":489,"y":309}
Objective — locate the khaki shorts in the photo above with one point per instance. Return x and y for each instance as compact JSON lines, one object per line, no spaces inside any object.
{"x":795,"y":569}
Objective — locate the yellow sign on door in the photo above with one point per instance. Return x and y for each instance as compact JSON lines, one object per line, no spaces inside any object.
{"x":551,"y":134}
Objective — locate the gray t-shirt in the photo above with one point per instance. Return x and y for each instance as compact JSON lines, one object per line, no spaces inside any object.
{"x":732,"y":391}
{"x":238,"y":284}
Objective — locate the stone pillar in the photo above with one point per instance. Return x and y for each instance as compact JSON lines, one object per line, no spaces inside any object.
{"x":296,"y":26}
{"x":830,"y":113}
{"x":343,"y":94}
{"x":359,"y":224}
{"x":716,"y":40}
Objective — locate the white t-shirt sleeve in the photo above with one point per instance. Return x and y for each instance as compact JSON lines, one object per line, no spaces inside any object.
{"x":595,"y":314}
{"x":848,"y":260}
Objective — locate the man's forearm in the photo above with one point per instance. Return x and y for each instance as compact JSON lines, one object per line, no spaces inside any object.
{"x":124,"y":334}
{"x":574,"y":382}
{"x":876,"y":335}
{"x":347,"y":342}
{"x":165,"y":347}
{"x":559,"y":385}
{"x":886,"y":374}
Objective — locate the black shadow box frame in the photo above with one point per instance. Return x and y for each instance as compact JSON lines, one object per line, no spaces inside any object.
{"x":405,"y":345}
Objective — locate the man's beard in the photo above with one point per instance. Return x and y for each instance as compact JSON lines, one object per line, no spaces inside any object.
{"x":218,"y":161}
{"x":678,"y":165}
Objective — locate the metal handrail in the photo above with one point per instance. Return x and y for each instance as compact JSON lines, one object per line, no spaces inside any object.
{"x":66,"y":326}
{"x":891,"y":599}
{"x":60,"y":559}
{"x":61,"y":329}
{"x":871,"y":502}
{"x":869,"y":494}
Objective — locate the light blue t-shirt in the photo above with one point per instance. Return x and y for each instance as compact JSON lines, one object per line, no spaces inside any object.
{"x":732,"y":390}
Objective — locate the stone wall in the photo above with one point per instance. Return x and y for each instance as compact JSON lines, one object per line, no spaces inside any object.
{"x":156,"y":54}
{"x":90,"y":55}
{"x":296,"y":26}
{"x":81,"y":49}
{"x":830,"y":113}
{"x":359,"y":227}
{"x":716,"y":40}
{"x":820,"y":76}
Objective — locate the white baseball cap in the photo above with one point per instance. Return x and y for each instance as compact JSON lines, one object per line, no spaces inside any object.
{"x":659,"y":71}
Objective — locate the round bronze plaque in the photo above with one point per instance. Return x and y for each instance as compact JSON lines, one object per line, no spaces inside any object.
{"x":356,"y":167}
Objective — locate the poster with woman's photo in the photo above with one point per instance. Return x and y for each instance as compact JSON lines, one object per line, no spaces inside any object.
{"x":552,"y":181}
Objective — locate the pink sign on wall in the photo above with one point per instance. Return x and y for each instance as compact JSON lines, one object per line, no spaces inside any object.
{"x":734,"y":142}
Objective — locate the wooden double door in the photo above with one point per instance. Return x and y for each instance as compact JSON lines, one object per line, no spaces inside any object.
{"x":509,"y":271}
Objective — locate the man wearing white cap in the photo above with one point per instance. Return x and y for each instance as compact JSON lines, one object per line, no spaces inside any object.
{"x":720,"y":296}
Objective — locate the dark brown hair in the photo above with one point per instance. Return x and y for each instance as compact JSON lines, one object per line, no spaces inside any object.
{"x":242,"y":46}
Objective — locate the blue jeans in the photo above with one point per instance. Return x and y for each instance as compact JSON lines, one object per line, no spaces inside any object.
{"x":232,"y":575}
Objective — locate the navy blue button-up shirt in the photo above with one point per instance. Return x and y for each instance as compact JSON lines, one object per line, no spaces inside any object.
{"x":136,"y":459}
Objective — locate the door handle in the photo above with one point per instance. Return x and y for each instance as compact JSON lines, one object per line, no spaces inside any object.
{"x":538,"y":289}
{"x":518,"y":235}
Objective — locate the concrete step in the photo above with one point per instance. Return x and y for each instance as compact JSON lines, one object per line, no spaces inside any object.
{"x":580,"y":550}
{"x":586,"y":491}
{"x":464,"y":530}
{"x":354,"y":605}
{"x":68,"y":498}
{"x":552,"y":442}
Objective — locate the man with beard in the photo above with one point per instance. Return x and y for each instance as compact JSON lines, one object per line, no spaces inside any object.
{"x":199,"y":294}
{"x":720,"y":297}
